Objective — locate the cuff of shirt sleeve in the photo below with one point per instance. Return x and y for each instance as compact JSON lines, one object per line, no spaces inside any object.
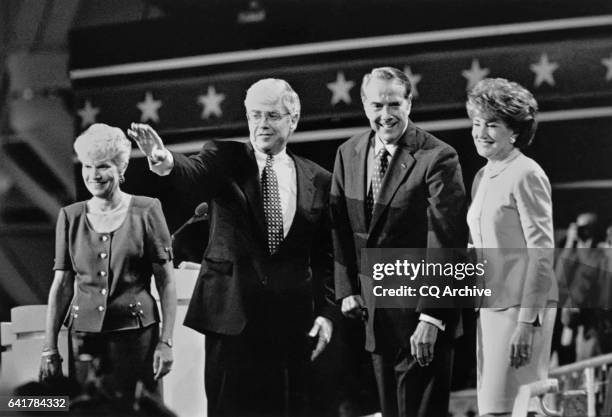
{"x":165,"y":255}
{"x":535,"y":322}
{"x":528,"y":314}
{"x":438,"y":323}
{"x":164,"y":166}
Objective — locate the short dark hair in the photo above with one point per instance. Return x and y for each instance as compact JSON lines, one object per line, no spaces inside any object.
{"x":387,"y":73}
{"x":506,"y":101}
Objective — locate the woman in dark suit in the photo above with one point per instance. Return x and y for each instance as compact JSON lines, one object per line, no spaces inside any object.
{"x":511,"y":219}
{"x":106,"y":250}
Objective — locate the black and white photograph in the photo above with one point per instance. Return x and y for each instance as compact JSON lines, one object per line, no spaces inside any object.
{"x":309,"y":208}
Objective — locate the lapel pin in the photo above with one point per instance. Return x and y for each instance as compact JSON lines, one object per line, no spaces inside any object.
{"x":403,"y":165}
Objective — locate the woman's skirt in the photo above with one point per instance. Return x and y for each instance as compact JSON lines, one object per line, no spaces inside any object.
{"x":119,"y":359}
{"x":498,"y":382}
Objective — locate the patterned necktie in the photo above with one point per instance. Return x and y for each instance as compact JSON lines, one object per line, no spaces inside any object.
{"x":381,"y":164}
{"x":272,"y":206}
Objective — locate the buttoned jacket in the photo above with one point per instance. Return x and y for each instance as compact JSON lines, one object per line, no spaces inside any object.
{"x":112,"y":270}
{"x":421,"y":205}
{"x":237,"y":270}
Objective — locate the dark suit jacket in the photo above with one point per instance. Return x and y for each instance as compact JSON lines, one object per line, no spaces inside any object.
{"x":112,"y":270}
{"x":237,"y":269}
{"x":421,"y":205}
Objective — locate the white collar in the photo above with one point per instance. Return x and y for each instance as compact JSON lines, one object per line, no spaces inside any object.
{"x":280,"y":157}
{"x":379,"y":144}
{"x":494,"y":168}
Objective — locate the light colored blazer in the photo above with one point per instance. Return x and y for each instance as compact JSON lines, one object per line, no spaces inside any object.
{"x":510,"y":219}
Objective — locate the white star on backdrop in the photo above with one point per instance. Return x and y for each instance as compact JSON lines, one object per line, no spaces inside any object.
{"x":149,"y":108}
{"x":475,"y":74}
{"x":608,"y":63}
{"x":341,"y":89}
{"x":211,"y":102}
{"x":88,"y":114}
{"x":544,"y":71}
{"x":414,"y":80}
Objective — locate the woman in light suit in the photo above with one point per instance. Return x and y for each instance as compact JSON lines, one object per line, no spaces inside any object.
{"x":510,"y":219}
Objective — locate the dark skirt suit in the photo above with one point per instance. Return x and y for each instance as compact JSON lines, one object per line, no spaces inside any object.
{"x":113,"y":314}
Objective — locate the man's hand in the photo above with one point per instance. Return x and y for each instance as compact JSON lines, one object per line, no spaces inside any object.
{"x":162,"y":360}
{"x":322,"y":329}
{"x":423,"y":342}
{"x":521,"y":344}
{"x":353,"y":307}
{"x":148,"y":141}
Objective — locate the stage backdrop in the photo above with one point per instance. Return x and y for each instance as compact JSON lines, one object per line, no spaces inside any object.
{"x":187,"y":75}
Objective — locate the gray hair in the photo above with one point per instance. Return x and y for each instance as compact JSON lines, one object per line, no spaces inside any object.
{"x":101,"y":142}
{"x":271,"y":90}
{"x":387,"y":73}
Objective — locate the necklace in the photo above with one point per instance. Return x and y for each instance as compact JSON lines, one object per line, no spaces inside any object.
{"x":107,"y":221}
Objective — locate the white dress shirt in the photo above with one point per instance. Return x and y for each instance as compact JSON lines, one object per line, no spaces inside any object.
{"x":283,"y":166}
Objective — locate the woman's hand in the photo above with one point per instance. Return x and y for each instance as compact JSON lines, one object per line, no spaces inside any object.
{"x":162,"y":360}
{"x":521,"y":345}
{"x":50,"y":367}
{"x":164,"y":281}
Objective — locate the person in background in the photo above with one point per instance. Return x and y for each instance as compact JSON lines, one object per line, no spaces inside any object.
{"x":578,"y":263}
{"x":584,"y":232}
{"x":107,"y":248}
{"x":578,"y":271}
{"x":263,"y":296}
{"x":511,"y":209}
{"x":397,"y":186}
{"x":605,"y":278}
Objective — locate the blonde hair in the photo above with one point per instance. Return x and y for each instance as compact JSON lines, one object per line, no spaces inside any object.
{"x":101,"y":142}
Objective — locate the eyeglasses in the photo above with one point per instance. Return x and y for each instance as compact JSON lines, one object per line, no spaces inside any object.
{"x":272,"y":116}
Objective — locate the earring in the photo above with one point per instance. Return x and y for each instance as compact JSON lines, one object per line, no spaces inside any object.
{"x":121,"y":178}
{"x":512,"y":139}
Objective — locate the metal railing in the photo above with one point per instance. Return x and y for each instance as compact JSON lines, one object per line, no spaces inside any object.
{"x":562,"y":378}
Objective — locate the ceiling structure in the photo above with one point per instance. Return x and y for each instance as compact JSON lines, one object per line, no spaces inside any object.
{"x":36,"y":131}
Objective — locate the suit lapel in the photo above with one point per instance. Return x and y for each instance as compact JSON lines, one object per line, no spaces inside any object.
{"x":305,"y":190}
{"x":398,"y":170}
{"x":251,"y":186}
{"x":305,"y":184}
{"x":357,"y":181}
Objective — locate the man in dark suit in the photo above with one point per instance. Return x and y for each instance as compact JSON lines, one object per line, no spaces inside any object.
{"x":263,"y":276}
{"x":397,"y":186}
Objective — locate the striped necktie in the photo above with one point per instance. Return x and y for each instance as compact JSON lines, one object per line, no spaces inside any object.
{"x":381,"y":163}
